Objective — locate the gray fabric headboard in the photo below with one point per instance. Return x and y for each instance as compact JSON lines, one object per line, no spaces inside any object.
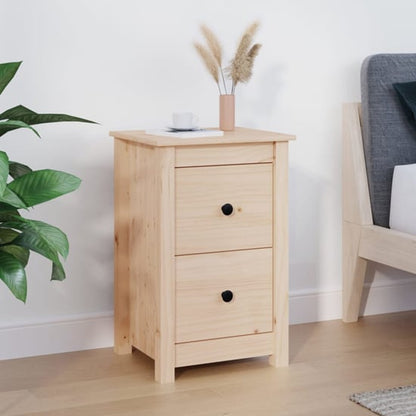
{"x":389,"y":138}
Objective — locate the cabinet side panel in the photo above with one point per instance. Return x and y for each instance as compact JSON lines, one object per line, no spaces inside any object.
{"x":165,"y":334}
{"x":280,"y":356}
{"x":122,"y":339}
{"x":144,"y":246}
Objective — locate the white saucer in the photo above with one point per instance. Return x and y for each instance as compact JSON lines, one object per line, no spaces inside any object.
{"x":194,"y":128}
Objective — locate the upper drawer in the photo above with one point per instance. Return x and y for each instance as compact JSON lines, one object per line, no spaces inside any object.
{"x":233,"y":154}
{"x":205,"y":197}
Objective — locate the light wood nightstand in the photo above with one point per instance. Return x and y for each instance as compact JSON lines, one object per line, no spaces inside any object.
{"x":201,"y":247}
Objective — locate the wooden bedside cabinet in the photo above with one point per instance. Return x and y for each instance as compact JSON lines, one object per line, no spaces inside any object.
{"x":201,"y":247}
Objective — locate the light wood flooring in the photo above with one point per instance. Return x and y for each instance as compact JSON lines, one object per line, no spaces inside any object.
{"x":329,"y":361}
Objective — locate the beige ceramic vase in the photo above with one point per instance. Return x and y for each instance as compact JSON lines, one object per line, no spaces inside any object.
{"x":227,"y":114}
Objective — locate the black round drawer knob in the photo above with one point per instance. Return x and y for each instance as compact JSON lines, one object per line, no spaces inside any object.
{"x":227,"y":209}
{"x":227,"y":296}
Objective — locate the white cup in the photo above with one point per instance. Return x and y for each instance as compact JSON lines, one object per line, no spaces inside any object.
{"x":184,"y":121}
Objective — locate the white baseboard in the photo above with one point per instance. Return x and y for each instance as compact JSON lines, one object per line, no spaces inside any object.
{"x":72,"y":333}
{"x":316,"y":306}
{"x":89,"y":331}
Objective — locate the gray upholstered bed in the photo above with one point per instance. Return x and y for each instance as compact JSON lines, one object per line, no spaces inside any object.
{"x":389,"y":137}
{"x":377,"y":136}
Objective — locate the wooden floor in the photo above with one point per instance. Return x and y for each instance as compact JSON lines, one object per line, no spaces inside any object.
{"x":329,"y":361}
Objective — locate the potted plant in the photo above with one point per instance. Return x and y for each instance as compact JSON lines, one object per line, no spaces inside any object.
{"x":238,"y":71}
{"x":22,"y":188}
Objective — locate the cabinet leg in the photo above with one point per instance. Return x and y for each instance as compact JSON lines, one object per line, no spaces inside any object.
{"x":122,"y":341}
{"x":164,"y":372}
{"x":122,"y":344}
{"x":123,"y":349}
{"x":281,"y":356}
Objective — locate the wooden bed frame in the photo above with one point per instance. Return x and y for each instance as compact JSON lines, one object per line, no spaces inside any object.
{"x":361,"y":239}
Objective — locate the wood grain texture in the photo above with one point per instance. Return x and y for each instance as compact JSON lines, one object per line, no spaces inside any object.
{"x":356,"y":197}
{"x":362,"y":240}
{"x":201,"y":312}
{"x":122,"y":339}
{"x":144,"y":246}
{"x":201,"y":192}
{"x":353,"y":271}
{"x":356,"y":211}
{"x":165,"y":333}
{"x":223,"y":349}
{"x":224,"y":154}
{"x":150,"y":262}
{"x":280,"y":356}
{"x":177,"y":251}
{"x":239,"y":135}
{"x":390,"y":247}
{"x":329,"y":361}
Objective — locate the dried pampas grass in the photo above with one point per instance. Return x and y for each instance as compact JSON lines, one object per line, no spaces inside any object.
{"x":254,"y":51}
{"x":209,"y":61}
{"x":246,"y":41}
{"x":213,"y":43}
{"x":215,"y":47}
{"x":241,"y":66}
{"x":244,"y":70}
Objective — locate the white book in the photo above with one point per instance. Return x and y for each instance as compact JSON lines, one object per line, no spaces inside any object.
{"x":185,"y":134}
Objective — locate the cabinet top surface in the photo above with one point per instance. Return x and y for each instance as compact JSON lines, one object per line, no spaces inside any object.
{"x":239,"y":135}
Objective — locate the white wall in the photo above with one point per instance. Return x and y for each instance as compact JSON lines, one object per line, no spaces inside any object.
{"x":129,"y":64}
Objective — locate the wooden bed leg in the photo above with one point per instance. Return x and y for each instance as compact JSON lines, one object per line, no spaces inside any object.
{"x":353,"y":270}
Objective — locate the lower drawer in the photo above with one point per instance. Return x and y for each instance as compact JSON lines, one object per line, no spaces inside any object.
{"x":223,"y":294}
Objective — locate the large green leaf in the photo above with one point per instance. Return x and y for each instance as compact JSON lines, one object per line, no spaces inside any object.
{"x":43,"y":185}
{"x":58,"y":272}
{"x":7,"y":235}
{"x":7,"y":72}
{"x":16,"y":113}
{"x":11,"y":199}
{"x":10,"y":125}
{"x":20,"y":253}
{"x":4,"y":171}
{"x":17,"y":169}
{"x":28,"y":116}
{"x":39,"y":236}
{"x":8,"y":212}
{"x":12,"y":272}
{"x":45,"y":239}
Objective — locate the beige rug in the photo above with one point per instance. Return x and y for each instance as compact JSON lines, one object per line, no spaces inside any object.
{"x":398,"y":401}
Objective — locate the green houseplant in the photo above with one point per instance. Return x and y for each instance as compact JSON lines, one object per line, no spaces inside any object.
{"x":22,"y":188}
